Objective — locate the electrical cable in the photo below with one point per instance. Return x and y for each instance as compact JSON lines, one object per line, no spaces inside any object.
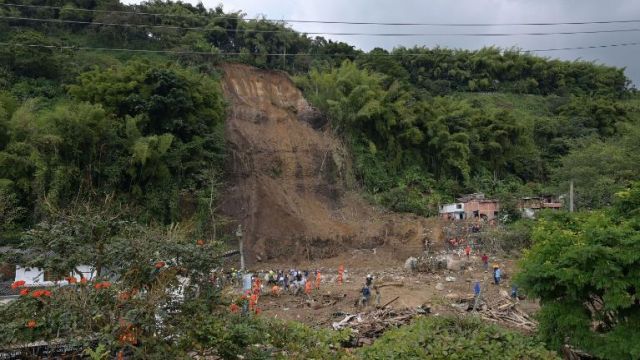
{"x":322,"y":33}
{"x":332,"y":21}
{"x":179,"y":52}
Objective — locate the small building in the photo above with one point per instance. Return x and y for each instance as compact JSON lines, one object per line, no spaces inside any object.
{"x":452,"y":211}
{"x":472,"y":206}
{"x":33,"y":276}
{"x":40,"y":277}
{"x":530,"y":205}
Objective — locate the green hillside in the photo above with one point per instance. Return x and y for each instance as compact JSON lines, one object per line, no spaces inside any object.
{"x":424,"y":125}
{"x":112,"y":152}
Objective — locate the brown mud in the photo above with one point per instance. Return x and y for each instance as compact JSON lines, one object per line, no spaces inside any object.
{"x":291,"y":187}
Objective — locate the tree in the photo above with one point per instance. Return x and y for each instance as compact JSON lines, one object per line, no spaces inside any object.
{"x":585,"y":268}
{"x":10,"y":210}
{"x":596,"y":115}
{"x":172,"y":120}
{"x":147,"y":278}
{"x":38,"y":60}
{"x":599,"y":168}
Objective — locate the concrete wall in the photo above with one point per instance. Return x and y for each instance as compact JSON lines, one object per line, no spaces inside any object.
{"x":87,"y":271}
{"x":32,"y":276}
{"x":486,"y":209}
{"x":455,"y":211}
{"x":451,"y":208}
{"x":35,"y":276}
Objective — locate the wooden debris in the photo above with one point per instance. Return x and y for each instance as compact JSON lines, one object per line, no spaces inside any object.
{"x":506,"y":311}
{"x":397,"y":284}
{"x":571,"y":353}
{"x":390,"y":302}
{"x":502,"y":310}
{"x":370,"y":325}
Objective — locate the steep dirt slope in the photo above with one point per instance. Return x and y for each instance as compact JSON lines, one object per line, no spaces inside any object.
{"x":288,"y":187}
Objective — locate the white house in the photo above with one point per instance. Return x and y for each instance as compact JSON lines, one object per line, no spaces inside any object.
{"x":39,"y":277}
{"x":452,"y":211}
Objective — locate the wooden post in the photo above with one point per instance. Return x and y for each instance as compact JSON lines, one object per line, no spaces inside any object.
{"x":389,"y":303}
{"x":241,"y":255}
{"x":240,"y":236}
{"x":571,"y":196}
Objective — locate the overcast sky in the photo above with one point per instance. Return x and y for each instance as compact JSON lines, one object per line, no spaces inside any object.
{"x":467,"y":11}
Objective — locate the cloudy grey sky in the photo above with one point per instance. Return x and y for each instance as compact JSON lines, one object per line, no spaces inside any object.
{"x":467,"y":11}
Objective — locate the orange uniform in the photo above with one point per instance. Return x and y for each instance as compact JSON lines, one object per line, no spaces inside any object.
{"x":318,"y":279}
{"x":257,"y":284}
{"x":307,"y":288}
{"x":340,"y":272}
{"x":253,"y":302}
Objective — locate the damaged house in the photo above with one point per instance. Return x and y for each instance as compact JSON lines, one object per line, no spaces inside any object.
{"x":472,"y":206}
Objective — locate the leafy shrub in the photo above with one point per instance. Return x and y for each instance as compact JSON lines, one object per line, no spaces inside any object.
{"x":259,"y":338}
{"x":454,"y":338}
{"x":584,"y":268}
{"x":135,"y":300}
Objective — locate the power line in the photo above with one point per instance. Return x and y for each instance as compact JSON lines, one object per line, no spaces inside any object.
{"x":322,"y":33}
{"x":179,"y":52}
{"x":595,"y":22}
{"x":584,"y":47}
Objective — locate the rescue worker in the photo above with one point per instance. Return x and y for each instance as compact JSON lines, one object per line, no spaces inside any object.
{"x":497,"y":274}
{"x":366,"y":294}
{"x":318,"y":279}
{"x":340,"y":274}
{"x":307,"y":288}
{"x":485,"y":262}
{"x":253,"y":302}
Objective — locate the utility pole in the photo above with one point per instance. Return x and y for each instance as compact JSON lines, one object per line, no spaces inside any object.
{"x":571,"y":196}
{"x":284,"y":58}
{"x":284,"y":55}
{"x":240,"y":236}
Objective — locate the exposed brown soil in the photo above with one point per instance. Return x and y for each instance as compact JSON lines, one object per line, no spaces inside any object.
{"x":289,"y":183}
{"x":413,"y":289}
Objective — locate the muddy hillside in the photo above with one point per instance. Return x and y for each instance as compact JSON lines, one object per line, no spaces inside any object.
{"x":288,"y":185}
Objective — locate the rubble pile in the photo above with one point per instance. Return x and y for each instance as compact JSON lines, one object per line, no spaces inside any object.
{"x":506,"y":311}
{"x":503,"y":310}
{"x":370,"y":325}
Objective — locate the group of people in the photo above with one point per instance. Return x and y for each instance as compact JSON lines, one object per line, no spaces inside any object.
{"x":497,"y":272}
{"x":294,"y":281}
{"x":497,"y":278}
{"x":305,"y":282}
{"x":276,"y":282}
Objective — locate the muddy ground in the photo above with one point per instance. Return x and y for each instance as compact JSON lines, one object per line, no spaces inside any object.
{"x":291,"y":184}
{"x":413,"y":289}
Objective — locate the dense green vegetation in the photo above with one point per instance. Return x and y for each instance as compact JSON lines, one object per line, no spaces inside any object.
{"x":414,"y":148}
{"x":585,"y":269}
{"x":423,"y":125}
{"x":147,"y":132}
{"x":102,"y":152}
{"x":454,"y":338}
